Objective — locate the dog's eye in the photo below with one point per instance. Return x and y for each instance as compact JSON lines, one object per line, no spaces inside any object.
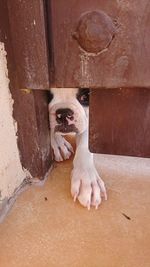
{"x":83,"y":96}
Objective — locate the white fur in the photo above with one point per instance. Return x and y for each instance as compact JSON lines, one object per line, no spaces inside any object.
{"x":86,"y":184}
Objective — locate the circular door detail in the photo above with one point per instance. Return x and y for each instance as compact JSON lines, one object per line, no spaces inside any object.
{"x":95,"y":31}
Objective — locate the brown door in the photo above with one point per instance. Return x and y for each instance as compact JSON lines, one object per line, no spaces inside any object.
{"x":97,"y":44}
{"x":23,"y":32}
{"x":120,"y":122}
{"x":105,"y":44}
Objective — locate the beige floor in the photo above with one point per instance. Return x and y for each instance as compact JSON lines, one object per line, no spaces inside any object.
{"x":46,"y":229}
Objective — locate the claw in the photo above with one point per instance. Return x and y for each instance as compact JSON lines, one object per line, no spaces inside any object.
{"x":88,"y":205}
{"x":96,"y":205}
{"x":71,"y":150}
{"x":75,"y":197}
{"x":104,"y":195}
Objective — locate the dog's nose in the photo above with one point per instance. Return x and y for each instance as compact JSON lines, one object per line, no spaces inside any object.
{"x":63,"y":115}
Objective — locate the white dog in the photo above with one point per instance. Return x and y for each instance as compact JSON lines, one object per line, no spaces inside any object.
{"x":69,"y":112}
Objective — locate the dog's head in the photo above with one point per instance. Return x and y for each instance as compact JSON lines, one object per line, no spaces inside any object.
{"x":68,"y":109}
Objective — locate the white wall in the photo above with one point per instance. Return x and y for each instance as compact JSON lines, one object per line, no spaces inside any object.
{"x":11,"y":173}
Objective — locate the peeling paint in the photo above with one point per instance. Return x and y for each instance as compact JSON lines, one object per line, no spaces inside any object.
{"x":27,"y":91}
{"x":86,"y":77}
{"x":11,"y":172}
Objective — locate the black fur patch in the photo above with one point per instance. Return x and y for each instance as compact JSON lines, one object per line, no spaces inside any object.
{"x":50,"y":96}
{"x":83,"y":96}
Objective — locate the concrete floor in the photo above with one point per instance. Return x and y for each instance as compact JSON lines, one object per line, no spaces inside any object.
{"x":45,"y":228}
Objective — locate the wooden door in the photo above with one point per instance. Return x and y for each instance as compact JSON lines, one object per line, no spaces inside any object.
{"x":105,"y":44}
{"x":120,"y":122}
{"x":100,"y":44}
{"x":97,"y":44}
{"x":23,"y":32}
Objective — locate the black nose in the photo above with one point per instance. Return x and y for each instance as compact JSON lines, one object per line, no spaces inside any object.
{"x":63,"y":114}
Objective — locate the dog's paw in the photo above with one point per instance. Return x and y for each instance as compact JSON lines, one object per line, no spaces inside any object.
{"x":61,"y":147}
{"x":87,"y":186}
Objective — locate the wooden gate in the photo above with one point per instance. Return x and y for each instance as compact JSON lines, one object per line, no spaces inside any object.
{"x":103,"y":45}
{"x":100,"y":44}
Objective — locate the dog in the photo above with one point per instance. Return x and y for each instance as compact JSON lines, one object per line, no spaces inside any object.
{"x":69,"y":113}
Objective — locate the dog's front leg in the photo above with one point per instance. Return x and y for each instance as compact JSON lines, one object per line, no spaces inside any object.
{"x":86,"y":184}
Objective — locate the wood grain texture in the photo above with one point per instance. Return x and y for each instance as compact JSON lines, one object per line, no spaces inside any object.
{"x":126,"y":62}
{"x":30,"y":111}
{"x":29,"y":42}
{"x":120,"y":122}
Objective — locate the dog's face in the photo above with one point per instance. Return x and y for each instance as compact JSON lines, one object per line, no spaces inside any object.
{"x":68,"y":109}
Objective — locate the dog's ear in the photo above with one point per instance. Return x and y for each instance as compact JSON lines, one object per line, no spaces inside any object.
{"x":50,"y":96}
{"x":83,"y":96}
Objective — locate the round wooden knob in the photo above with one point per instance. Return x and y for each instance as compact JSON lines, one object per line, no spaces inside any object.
{"x":95,"y":31}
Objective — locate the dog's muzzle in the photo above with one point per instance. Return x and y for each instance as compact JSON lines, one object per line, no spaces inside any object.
{"x":67,"y":118}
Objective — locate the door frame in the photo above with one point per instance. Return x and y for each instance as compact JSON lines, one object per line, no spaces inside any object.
{"x":30,"y":109}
